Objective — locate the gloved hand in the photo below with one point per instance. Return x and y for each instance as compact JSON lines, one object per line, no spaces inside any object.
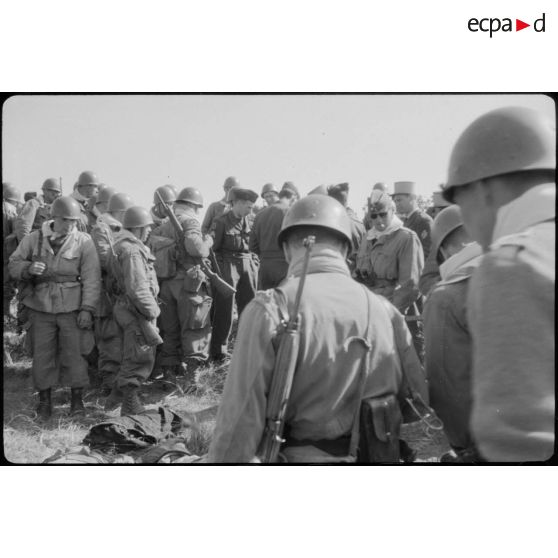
{"x":36,"y":268}
{"x":85,"y":320}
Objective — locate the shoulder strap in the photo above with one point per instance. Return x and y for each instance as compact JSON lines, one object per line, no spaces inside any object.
{"x":40,"y":244}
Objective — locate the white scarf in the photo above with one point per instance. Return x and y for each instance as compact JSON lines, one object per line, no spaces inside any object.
{"x":395,"y":225}
{"x":468,"y":255}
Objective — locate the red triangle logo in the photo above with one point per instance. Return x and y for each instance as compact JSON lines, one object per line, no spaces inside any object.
{"x":519,"y":25}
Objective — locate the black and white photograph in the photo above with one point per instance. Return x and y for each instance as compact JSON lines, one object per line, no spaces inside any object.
{"x":278,"y":278}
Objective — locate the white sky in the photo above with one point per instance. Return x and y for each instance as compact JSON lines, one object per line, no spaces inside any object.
{"x":139,"y":142}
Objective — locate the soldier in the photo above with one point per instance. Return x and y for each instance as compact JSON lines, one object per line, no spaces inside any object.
{"x":502,"y":174}
{"x":86,"y":188}
{"x":340,"y":192}
{"x":270,"y":194}
{"x":167,"y":192}
{"x":438,"y":204}
{"x":11,"y":198}
{"x":390,"y":261}
{"x":448,"y":353}
{"x":238,"y":266}
{"x":61,"y":269}
{"x":263,"y":241}
{"x":101,"y":203}
{"x":185,"y":291}
{"x":218,"y":208}
{"x":405,"y":198}
{"x":37,"y":210}
{"x":333,"y":373}
{"x":367,"y":222}
{"x":135,"y":310}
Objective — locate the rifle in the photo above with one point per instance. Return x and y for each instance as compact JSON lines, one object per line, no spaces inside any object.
{"x":283,"y":374}
{"x":148,"y":330}
{"x":215,"y":279}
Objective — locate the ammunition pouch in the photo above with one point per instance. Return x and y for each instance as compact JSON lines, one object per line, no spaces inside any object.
{"x":194,"y":278}
{"x":380,"y":422}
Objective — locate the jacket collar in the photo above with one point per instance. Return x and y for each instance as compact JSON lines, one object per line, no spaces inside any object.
{"x":534,"y":206}
{"x":322,"y":260}
{"x":461,"y":265}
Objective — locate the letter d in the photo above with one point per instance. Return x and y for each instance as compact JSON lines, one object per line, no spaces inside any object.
{"x":535,"y":25}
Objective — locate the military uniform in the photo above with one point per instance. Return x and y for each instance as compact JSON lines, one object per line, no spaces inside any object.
{"x":263,"y":243}
{"x":32,"y":216}
{"x":186,"y":296}
{"x":448,"y":349}
{"x":238,"y":268}
{"x":88,"y":218}
{"x":358,"y":232}
{"x":511,"y":316}
{"x":9,"y":241}
{"x":430,"y":274}
{"x":136,"y":290}
{"x":70,"y":283}
{"x":324,"y":396}
{"x":107,"y":335}
{"x":214,"y":211}
{"x":421,"y":224}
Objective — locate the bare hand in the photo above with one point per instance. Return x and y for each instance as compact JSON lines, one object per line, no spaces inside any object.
{"x":37,"y":268}
{"x":85,"y":320}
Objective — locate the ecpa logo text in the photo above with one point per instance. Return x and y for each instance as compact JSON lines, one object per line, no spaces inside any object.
{"x":494,"y":24}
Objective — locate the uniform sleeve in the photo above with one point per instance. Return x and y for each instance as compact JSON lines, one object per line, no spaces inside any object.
{"x":208,"y":219}
{"x":100,"y":236}
{"x":21,"y":259}
{"x":24,"y":222}
{"x":136,"y":284}
{"x":511,"y":317}
{"x":410,"y":264}
{"x":241,"y":417}
{"x":90,"y":272}
{"x":218,"y":235}
{"x":430,"y":274}
{"x":425,"y":234}
{"x":254,"y":243}
{"x":196,"y":245}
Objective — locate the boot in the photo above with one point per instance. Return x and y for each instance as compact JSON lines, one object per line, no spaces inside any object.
{"x":76,"y":405}
{"x":131,"y":404}
{"x":114,"y":399}
{"x":44,"y":410}
{"x":169,"y":377}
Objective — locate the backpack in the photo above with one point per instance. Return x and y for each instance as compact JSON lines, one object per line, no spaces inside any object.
{"x":164,"y":252}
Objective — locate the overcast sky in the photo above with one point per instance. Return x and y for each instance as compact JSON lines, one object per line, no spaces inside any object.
{"x":137,"y":143}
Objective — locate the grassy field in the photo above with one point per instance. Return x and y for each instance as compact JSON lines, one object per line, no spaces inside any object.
{"x":28,"y":441}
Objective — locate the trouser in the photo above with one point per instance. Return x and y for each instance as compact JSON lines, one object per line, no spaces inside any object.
{"x":137,"y":357}
{"x":242,"y":274}
{"x":271,"y":273}
{"x":109,"y":346}
{"x":58,"y":346}
{"x":9,"y":290}
{"x":184,"y":321}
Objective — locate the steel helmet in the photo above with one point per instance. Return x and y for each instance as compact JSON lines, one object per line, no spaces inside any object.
{"x":191,"y":195}
{"x":105,"y":194}
{"x":445,"y":222}
{"x":166,"y":192}
{"x":119,"y":202}
{"x":499,"y":142}
{"x":10,"y":192}
{"x":231,"y":182}
{"x":267,"y":188}
{"x":316,"y":210}
{"x":380,"y":186}
{"x":136,"y":216}
{"x":52,"y":184}
{"x":66,"y":207}
{"x":88,"y":178}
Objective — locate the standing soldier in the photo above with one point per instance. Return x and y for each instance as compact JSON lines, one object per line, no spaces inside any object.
{"x":218,"y":208}
{"x":11,"y":197}
{"x":263,"y":241}
{"x":438,"y":203}
{"x":61,"y":269}
{"x":185,"y":291}
{"x":502,"y":174}
{"x":85,"y":188}
{"x":340,"y":192}
{"x":37,"y":210}
{"x":238,"y":266}
{"x":135,"y":310}
{"x":448,"y":349}
{"x":167,"y":192}
{"x":270,"y":194}
{"x":345,"y":354}
{"x":101,"y":203}
{"x":405,"y":198}
{"x":367,"y":222}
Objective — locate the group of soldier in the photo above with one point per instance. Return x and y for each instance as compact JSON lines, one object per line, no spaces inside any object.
{"x":453,"y":309}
